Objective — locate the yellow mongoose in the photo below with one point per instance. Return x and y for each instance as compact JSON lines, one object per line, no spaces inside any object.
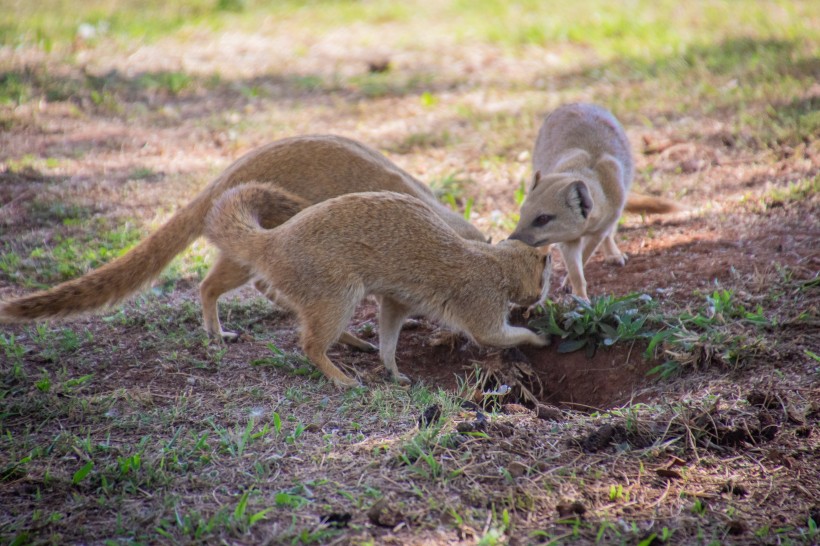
{"x":325,"y":259}
{"x":313,"y":168}
{"x":583,"y":170}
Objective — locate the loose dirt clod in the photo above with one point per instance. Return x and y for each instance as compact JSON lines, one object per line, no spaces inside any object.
{"x":548,"y":413}
{"x":430,"y":416}
{"x":736,"y":489}
{"x":384,"y":514}
{"x":669,"y":473}
{"x":570,"y":509}
{"x":601,"y":438}
{"x":514,"y":409}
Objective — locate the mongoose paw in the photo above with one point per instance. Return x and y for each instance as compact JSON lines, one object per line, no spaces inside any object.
{"x":344,"y":382}
{"x":369,"y":348}
{"x":222,"y":336}
{"x":565,"y":286}
{"x":411,"y":324}
{"x":617,"y":259}
{"x":400,"y":379}
{"x":229,"y":337}
{"x":541,"y":340}
{"x":444,"y":337}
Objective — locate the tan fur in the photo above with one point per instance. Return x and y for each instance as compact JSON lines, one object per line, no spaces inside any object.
{"x":325,"y":259}
{"x":583,"y":171}
{"x":312,"y":168}
{"x":645,"y":204}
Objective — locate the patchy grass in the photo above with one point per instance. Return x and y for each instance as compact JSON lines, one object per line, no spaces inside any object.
{"x":132,"y":426}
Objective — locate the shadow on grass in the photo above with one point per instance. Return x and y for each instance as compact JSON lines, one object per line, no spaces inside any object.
{"x":748,"y":60}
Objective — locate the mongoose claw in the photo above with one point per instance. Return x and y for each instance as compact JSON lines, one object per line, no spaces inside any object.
{"x":617,"y":260}
{"x":345,"y":382}
{"x":229,"y":337}
{"x":223,"y":336}
{"x":400,"y":379}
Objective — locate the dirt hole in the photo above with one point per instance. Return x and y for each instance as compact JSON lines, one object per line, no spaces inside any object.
{"x":611,"y":377}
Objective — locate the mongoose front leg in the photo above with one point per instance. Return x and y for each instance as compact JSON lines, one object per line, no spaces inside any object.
{"x":391,"y":318}
{"x":573,"y":259}
{"x":590,"y":244}
{"x":224,"y":276}
{"x":510,"y":336}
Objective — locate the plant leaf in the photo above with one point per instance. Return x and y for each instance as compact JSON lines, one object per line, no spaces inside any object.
{"x":82,"y":472}
{"x":571,"y":345}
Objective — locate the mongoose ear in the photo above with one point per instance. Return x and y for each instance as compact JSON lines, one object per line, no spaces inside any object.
{"x":536,"y":178}
{"x":610,"y":169}
{"x":576,"y":159}
{"x":578,"y":198}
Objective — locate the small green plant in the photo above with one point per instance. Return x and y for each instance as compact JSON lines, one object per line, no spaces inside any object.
{"x":82,"y":473}
{"x":616,"y":492}
{"x":520,"y":193}
{"x":241,"y":515}
{"x":173,"y":82}
{"x":495,"y":534}
{"x":297,"y":432}
{"x":11,"y":349}
{"x":292,"y":362}
{"x":698,"y":507}
{"x":236,"y":441}
{"x":602,"y":321}
{"x":44,"y":383}
{"x":717,"y":332}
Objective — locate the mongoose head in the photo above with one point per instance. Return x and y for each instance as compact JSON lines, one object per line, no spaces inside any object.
{"x":532,"y":268}
{"x":556,"y":210}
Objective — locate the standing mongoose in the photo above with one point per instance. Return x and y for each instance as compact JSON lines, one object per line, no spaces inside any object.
{"x":583,"y":171}
{"x":313,"y":168}
{"x":329,"y":256}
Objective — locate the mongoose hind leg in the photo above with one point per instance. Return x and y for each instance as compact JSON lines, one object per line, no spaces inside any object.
{"x":323,"y":323}
{"x":273,"y":295}
{"x":224,"y":276}
{"x":391,"y":318}
{"x":352,"y":341}
{"x":612,"y":253}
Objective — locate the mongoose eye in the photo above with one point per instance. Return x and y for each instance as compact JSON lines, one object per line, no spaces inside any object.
{"x":542,"y":220}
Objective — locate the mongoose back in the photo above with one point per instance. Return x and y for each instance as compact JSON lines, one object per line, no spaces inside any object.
{"x":313,"y":168}
{"x":583,"y":171}
{"x":326,"y":258}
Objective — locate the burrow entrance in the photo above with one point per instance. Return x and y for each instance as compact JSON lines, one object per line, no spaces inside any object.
{"x":611,"y":377}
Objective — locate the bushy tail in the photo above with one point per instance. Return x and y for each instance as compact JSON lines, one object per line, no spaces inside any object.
{"x":644,"y":204}
{"x":118,"y":279}
{"x":239,"y":216}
